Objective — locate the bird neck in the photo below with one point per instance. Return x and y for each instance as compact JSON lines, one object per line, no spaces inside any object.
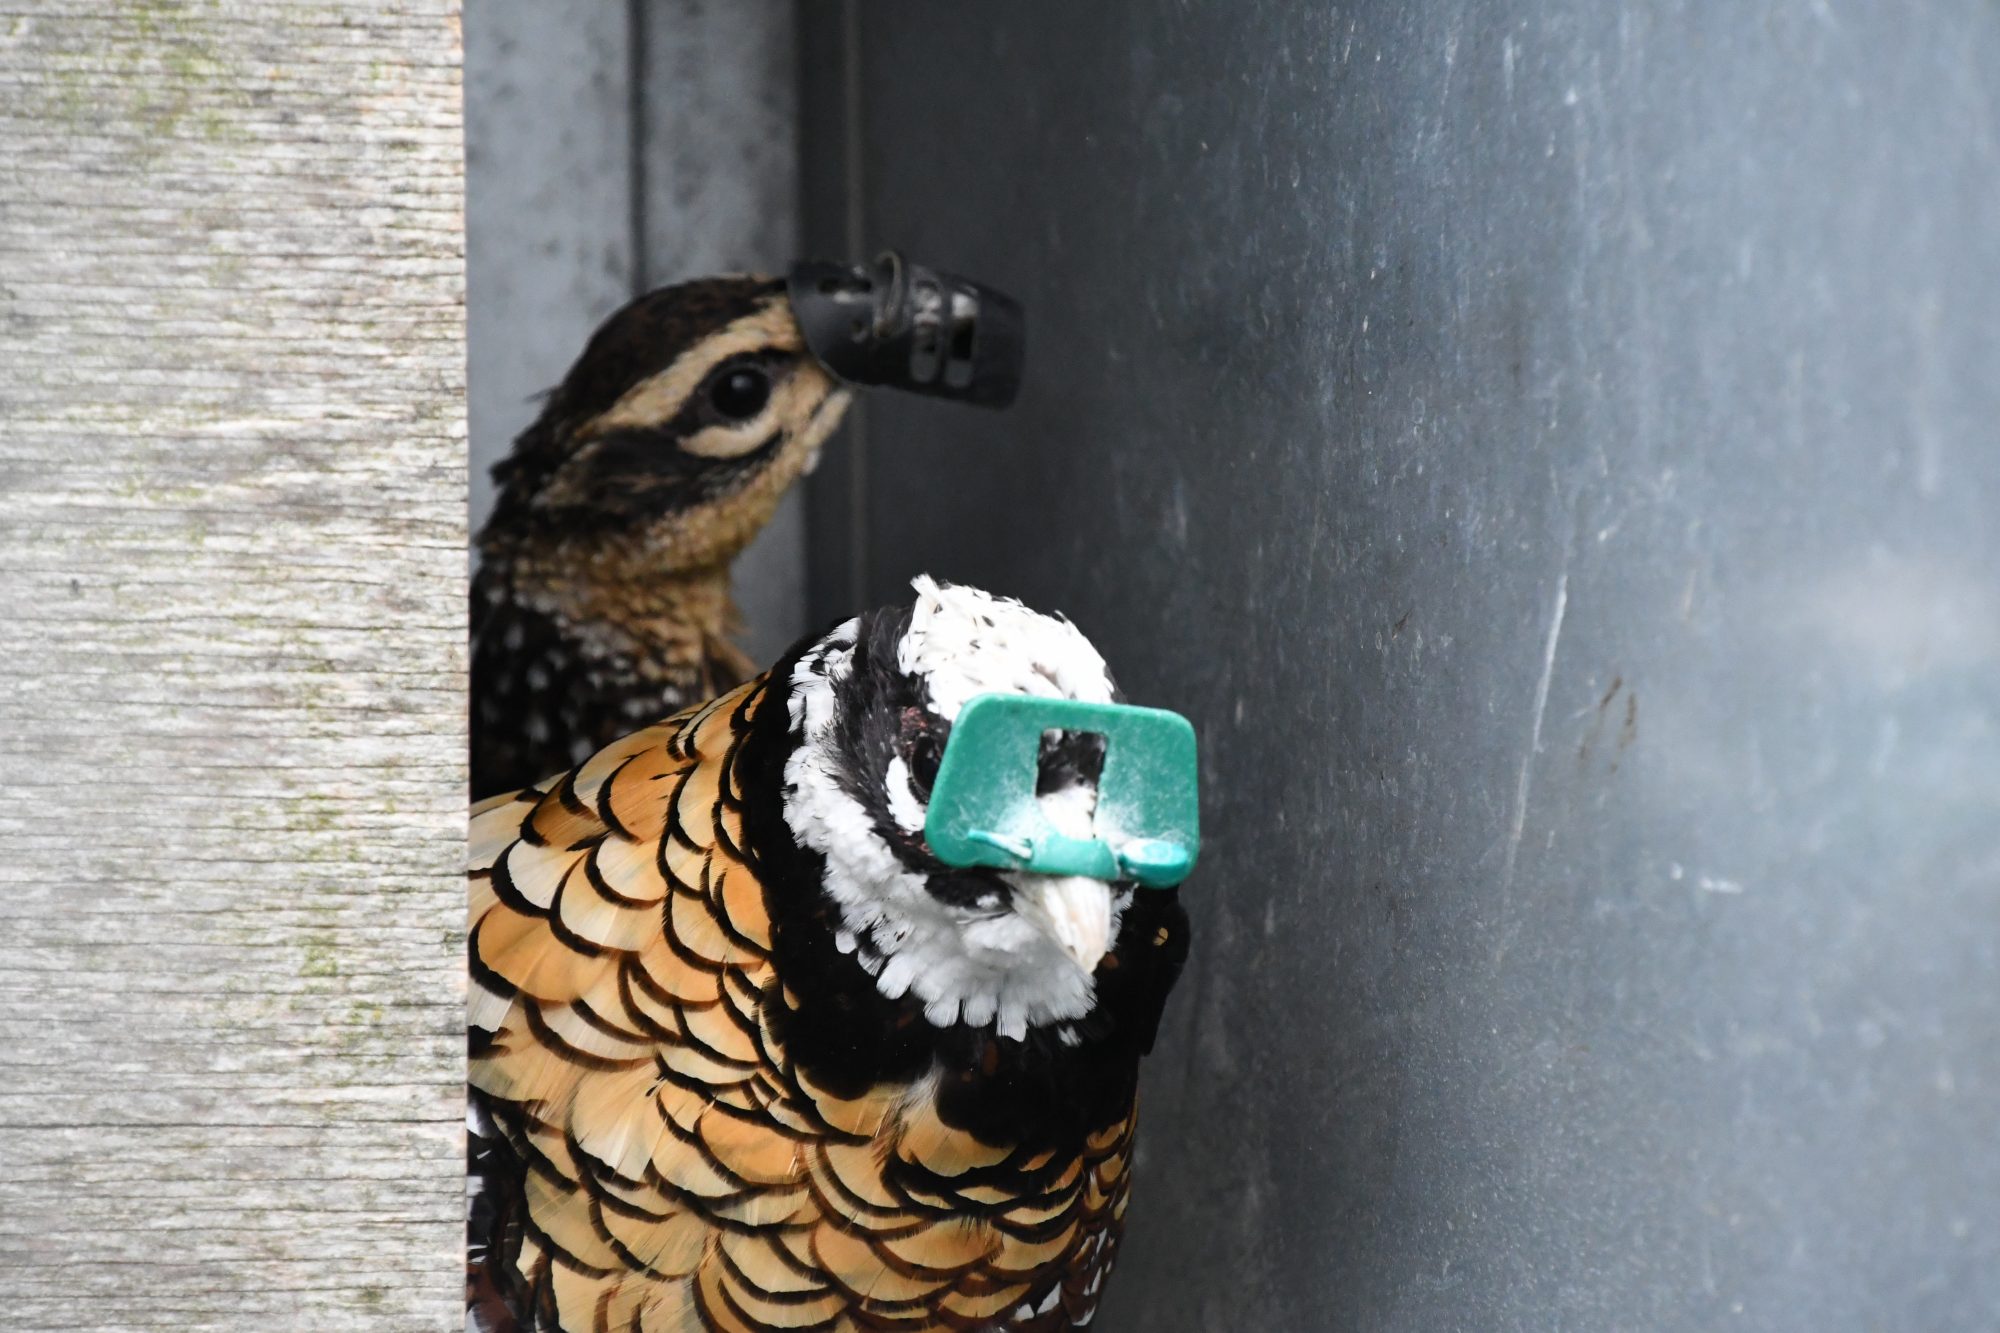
{"x":667,"y":623}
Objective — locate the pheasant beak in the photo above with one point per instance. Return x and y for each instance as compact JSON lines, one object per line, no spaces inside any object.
{"x":1074,"y":910}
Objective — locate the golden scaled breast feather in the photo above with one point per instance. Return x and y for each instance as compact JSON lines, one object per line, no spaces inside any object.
{"x":682,"y":1172}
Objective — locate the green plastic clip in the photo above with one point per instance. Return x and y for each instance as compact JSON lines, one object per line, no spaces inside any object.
{"x":983,"y":810}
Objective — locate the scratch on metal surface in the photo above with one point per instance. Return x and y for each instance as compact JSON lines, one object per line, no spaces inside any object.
{"x":1535,"y":728}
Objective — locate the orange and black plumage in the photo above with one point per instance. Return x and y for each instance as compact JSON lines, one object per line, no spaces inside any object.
{"x":745,"y":1057}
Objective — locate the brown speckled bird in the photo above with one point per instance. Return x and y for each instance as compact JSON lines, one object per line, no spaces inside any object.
{"x":747,"y":1056}
{"x":602,"y":599}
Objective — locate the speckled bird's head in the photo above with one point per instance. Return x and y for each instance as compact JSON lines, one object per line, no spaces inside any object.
{"x":670,"y":441}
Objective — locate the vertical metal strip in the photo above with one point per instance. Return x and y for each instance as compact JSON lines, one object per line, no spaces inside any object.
{"x":855,"y":224}
{"x":637,"y":129}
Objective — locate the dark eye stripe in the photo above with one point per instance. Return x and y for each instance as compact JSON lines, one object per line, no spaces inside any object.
{"x":661,"y":476}
{"x":697,"y":411}
{"x":970,"y":889}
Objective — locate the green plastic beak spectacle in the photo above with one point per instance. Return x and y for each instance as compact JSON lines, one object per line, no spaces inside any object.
{"x":983,"y":810}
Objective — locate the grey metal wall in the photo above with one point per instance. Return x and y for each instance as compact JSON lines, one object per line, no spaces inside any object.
{"x":613,"y":147}
{"x":1550,"y":450}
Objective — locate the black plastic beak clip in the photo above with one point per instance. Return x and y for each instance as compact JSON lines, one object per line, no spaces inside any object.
{"x":910,"y":327}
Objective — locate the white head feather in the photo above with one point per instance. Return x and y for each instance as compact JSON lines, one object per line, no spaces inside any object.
{"x":964,"y":642}
{"x":1018,"y":968}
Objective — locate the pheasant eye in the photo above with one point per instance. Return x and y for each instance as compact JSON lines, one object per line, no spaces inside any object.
{"x":921,"y":749}
{"x":740,"y":393}
{"x":924,"y":755}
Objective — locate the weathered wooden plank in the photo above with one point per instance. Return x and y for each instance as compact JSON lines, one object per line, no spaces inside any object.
{"x":232,"y":534}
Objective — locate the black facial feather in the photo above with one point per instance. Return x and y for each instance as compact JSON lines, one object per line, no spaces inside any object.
{"x":638,"y":474}
{"x":884,"y":714}
{"x":875,"y":707}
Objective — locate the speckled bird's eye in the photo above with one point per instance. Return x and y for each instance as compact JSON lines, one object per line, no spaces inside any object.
{"x":740,"y":393}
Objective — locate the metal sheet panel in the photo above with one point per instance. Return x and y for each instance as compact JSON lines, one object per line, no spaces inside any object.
{"x":549,"y":212}
{"x":1550,"y":451}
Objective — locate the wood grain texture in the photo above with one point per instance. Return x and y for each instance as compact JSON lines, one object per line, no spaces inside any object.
{"x":232,"y":557}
